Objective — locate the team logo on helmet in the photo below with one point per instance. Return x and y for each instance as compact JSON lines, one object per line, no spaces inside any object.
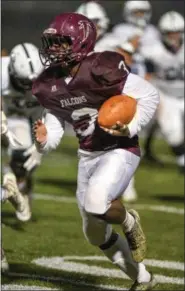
{"x":85,"y":25}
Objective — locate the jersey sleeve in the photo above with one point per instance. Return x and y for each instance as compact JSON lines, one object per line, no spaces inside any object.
{"x":109,"y":68}
{"x":147,"y":101}
{"x":55,"y":131}
{"x":5,"y":81}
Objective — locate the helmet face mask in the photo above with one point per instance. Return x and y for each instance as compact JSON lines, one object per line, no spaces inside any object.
{"x":172,"y":38}
{"x":137,"y":13}
{"x":171,"y":26}
{"x":68,"y":40}
{"x":140,"y":18}
{"x":56,"y":50}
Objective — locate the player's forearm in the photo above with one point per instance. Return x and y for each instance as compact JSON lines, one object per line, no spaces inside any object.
{"x":147,"y":102}
{"x":146,"y":108}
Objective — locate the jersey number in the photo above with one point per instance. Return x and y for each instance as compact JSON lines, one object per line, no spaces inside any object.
{"x":123,"y":66}
{"x":84,"y":120}
{"x":172,"y":73}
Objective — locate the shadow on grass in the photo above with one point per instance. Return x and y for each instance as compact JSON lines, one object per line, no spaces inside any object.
{"x":65,"y":281}
{"x":170,"y":198}
{"x":165,"y":166}
{"x":61,"y":183}
{"x":8,"y":219}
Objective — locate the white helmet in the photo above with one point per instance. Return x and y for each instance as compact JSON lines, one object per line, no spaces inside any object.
{"x":171,"y":21}
{"x":25,"y":64}
{"x":131,"y":7}
{"x":97,"y":14}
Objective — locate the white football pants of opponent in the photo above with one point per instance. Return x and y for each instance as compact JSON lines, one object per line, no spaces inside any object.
{"x":171,"y":120}
{"x":24,"y":158}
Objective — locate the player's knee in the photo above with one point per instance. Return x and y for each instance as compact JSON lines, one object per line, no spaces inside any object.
{"x":96,"y":202}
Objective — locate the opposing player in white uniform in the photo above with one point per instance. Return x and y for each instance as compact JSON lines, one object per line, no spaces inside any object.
{"x":138,"y":30}
{"x":18,"y":71}
{"x":137,"y":27}
{"x":167,"y":57}
{"x":9,"y":189}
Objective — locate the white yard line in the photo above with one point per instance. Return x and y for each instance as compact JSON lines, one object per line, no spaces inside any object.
{"x":150,"y":262}
{"x":65,"y":264}
{"x":158,"y":208}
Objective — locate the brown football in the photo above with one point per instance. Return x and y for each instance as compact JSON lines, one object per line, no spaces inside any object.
{"x":117,"y":108}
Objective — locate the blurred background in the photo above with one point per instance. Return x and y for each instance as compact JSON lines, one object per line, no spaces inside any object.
{"x":54,"y":230}
{"x":29,"y":18}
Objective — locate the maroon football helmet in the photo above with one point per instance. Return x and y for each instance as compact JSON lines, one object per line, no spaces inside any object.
{"x":68,"y":40}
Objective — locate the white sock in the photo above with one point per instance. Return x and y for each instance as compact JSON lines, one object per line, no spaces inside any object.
{"x":143,"y":276}
{"x":119,"y":253}
{"x":128,"y":223}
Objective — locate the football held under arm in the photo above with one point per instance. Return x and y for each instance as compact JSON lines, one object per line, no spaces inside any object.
{"x":147,"y":102}
{"x":48,"y":133}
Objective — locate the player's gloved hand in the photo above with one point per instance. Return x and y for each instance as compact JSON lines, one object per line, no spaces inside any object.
{"x":118,"y":129}
{"x":34,"y":158}
{"x":12,"y":139}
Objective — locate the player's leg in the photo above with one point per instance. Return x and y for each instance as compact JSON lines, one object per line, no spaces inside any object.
{"x":109,"y":179}
{"x":149,"y":139}
{"x":171,"y":120}
{"x":99,"y":233}
{"x":21,"y":127}
{"x":11,"y":193}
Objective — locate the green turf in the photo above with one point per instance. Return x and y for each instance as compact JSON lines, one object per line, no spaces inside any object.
{"x":55,"y":229}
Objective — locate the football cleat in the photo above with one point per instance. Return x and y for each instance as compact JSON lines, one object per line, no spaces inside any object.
{"x":13,"y":195}
{"x":25,"y":214}
{"x":144,"y":286}
{"x":136,"y":239}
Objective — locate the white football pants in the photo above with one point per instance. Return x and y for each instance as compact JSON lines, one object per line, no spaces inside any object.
{"x":102,"y":178}
{"x":171,"y":119}
{"x":20,"y":126}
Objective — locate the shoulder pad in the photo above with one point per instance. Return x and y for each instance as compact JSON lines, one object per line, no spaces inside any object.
{"x":109,"y":68}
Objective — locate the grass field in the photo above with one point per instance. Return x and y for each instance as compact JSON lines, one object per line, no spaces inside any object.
{"x":50,"y":251}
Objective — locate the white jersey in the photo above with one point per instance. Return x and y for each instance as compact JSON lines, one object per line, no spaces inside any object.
{"x":126,"y":31}
{"x":169,"y":68}
{"x":16,"y":102}
{"x":106,"y":43}
{"x":110,"y":42}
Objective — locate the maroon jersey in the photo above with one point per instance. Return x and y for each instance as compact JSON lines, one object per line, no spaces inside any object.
{"x":99,"y":77}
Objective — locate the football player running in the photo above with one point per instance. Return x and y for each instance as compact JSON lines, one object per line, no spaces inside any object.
{"x":73,"y":87}
{"x":9,"y":189}
{"x":21,"y":107}
{"x":167,"y":57}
